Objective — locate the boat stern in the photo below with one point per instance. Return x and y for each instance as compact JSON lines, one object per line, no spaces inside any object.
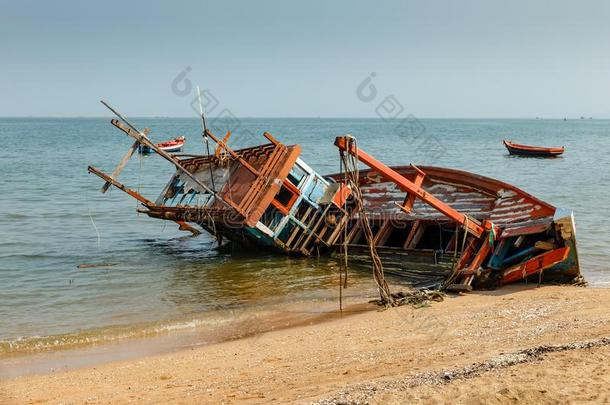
{"x":565,"y":231}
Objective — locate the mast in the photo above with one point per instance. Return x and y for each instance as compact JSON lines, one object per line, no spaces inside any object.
{"x":204,"y":133}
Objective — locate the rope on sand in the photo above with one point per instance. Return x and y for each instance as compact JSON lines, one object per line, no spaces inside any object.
{"x":416,"y":298}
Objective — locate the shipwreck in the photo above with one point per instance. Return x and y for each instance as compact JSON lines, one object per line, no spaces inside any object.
{"x":439,"y":227}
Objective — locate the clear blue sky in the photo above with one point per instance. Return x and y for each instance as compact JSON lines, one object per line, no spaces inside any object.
{"x":286,"y":59}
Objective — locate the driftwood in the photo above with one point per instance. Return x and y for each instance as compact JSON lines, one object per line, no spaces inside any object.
{"x":92,"y":265}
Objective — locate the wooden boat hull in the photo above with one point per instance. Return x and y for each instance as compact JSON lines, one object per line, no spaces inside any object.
{"x":424,"y":246}
{"x":532,"y":151}
{"x":432,"y":225}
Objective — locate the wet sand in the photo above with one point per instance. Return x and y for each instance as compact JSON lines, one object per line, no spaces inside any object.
{"x":547,"y":344}
{"x":66,"y":357}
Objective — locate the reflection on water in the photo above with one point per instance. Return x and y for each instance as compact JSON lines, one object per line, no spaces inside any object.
{"x":162,"y":279}
{"x":233,"y":280}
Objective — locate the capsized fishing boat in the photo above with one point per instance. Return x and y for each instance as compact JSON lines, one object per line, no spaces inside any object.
{"x":171,"y":146}
{"x":534,"y":151}
{"x":436,"y":226}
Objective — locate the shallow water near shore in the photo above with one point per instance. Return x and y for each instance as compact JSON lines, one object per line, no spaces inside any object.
{"x":159,"y":279}
{"x":111,"y":344}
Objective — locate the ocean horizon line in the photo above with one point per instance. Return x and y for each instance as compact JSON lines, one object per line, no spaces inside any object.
{"x":572,"y":118}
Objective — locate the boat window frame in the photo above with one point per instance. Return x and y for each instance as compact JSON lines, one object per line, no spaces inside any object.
{"x":303,"y":177}
{"x":285,"y":208}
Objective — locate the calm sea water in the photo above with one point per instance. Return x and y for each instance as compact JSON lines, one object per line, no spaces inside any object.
{"x":53,"y":217}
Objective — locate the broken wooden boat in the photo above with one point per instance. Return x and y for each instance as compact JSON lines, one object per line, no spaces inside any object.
{"x":438,"y":227}
{"x":171,"y":146}
{"x":533,"y":151}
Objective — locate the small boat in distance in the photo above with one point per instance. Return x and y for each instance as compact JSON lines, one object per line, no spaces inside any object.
{"x":175,"y":145}
{"x":536,"y":151}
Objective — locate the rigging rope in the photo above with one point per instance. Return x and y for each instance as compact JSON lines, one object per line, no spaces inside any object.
{"x":140,"y":167}
{"x":97,"y":232}
{"x":207,"y":147}
{"x":344,"y":244}
{"x":350,"y":162}
{"x":455,"y":270}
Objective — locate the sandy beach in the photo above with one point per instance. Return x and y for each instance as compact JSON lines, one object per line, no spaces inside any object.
{"x":523,"y":343}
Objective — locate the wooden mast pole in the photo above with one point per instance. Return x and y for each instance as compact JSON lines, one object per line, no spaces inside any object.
{"x":143,"y":139}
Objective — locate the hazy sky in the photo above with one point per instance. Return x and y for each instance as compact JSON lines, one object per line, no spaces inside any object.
{"x":284,"y":59}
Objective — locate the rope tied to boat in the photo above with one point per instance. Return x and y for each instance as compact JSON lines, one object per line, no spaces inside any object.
{"x":352,"y":173}
{"x":455,"y":271}
{"x":343,"y":265}
{"x":97,"y":232}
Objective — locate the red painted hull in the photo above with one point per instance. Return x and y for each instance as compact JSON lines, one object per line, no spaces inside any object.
{"x":535,"y":151}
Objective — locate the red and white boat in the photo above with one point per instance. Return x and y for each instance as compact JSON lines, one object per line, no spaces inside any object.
{"x":175,"y":145}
